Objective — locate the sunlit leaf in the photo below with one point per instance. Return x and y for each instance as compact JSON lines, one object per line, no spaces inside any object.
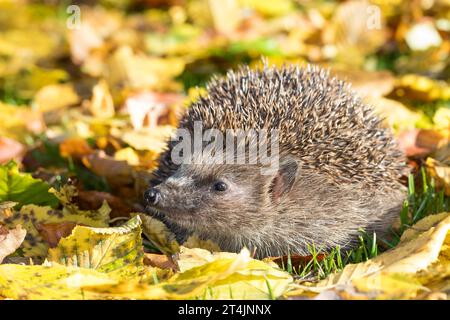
{"x":103,"y":249}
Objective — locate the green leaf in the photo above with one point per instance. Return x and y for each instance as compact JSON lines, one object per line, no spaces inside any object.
{"x":23,"y":188}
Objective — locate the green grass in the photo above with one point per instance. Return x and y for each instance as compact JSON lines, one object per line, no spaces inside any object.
{"x":423,"y":199}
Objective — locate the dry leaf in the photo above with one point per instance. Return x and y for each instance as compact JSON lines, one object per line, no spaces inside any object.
{"x":101,"y":105}
{"x":440,"y":172}
{"x":159,"y":261}
{"x":93,"y":200}
{"x":10,"y":150}
{"x":146,"y":109}
{"x":75,"y":147}
{"x":55,"y":96}
{"x":10,"y":240}
{"x":53,"y":232}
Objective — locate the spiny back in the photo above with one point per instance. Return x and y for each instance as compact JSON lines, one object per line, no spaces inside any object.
{"x":320,"y":121}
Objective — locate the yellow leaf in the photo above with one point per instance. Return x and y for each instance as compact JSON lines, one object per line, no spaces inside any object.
{"x":29,"y":43}
{"x":226,"y":15}
{"x":389,"y":286}
{"x":103,"y":249}
{"x":422,"y":88}
{"x":139,"y":71}
{"x":158,"y":234}
{"x":154,"y":140}
{"x":440,"y":172}
{"x":419,"y":262}
{"x":21,"y":122}
{"x":49,"y":282}
{"x":55,"y":96}
{"x":128,"y":155}
{"x":236,"y":276}
{"x":195,"y":242}
{"x":189,"y":258}
{"x":31,"y":216}
{"x":396,"y":115}
{"x":29,"y":84}
{"x":442,"y":118}
{"x":101,"y":105}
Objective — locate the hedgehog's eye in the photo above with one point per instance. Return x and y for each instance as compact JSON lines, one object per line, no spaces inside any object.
{"x":220,"y":186}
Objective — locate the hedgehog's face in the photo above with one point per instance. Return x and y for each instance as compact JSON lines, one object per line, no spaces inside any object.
{"x":206,"y":195}
{"x":216,"y":198}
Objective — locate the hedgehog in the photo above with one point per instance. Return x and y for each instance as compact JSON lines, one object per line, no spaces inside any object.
{"x":338,"y":167}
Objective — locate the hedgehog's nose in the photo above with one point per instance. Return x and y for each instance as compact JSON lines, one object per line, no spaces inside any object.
{"x":152,"y":196}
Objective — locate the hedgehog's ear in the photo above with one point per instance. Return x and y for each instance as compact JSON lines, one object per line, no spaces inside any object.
{"x":284,"y":179}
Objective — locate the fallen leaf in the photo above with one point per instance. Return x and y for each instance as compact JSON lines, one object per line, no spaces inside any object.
{"x":53,"y":232}
{"x":189,"y":258}
{"x":21,"y":122}
{"x":10,"y":150}
{"x":422,"y":88}
{"x":101,"y":104}
{"x":93,"y":200}
{"x":194,"y":241}
{"x":75,"y":147}
{"x":31,"y":217}
{"x":236,"y":276}
{"x":141,"y":72}
{"x":402,"y":272}
{"x":395,"y":114}
{"x":48,"y":282}
{"x":419,"y":142}
{"x":10,"y":240}
{"x":159,"y":261}
{"x":103,"y":249}
{"x":116,"y":172}
{"x":129,"y":155}
{"x":154,"y":140}
{"x":367,"y":84}
{"x":96,"y":25}
{"x":440,"y":172}
{"x":157,"y":232}
{"x":146,"y":109}
{"x":55,"y":96}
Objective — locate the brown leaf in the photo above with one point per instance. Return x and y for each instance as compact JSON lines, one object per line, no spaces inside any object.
{"x":10,"y":240}
{"x":92,"y":200}
{"x":159,"y":261}
{"x":116,"y":172}
{"x":53,"y":232}
{"x":419,"y":142}
{"x":75,"y":148}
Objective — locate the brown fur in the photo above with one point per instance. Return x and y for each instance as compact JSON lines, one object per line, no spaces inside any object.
{"x":339,"y":168}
